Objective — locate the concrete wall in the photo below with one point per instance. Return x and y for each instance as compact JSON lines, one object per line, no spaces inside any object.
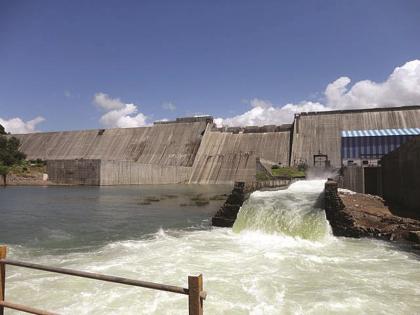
{"x":272,"y":183}
{"x":401,"y":176}
{"x":74,"y":172}
{"x":314,"y":132}
{"x":173,"y":144}
{"x":131,"y":173}
{"x":160,"y":153}
{"x":352,"y":179}
{"x":102,"y":172}
{"x":226,"y":157}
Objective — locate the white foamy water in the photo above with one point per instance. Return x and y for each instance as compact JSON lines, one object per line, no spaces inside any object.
{"x":280,"y":258}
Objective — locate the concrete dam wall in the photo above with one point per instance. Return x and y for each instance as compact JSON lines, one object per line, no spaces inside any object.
{"x":103,"y":172}
{"x":193,"y":150}
{"x":162,"y":144}
{"x":225,"y":157}
{"x":320,"y":131}
{"x":160,"y":154}
{"x":131,"y":173}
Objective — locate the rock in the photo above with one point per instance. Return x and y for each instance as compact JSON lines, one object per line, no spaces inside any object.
{"x":226,"y":215}
{"x":360,"y":215}
{"x":414,"y":236}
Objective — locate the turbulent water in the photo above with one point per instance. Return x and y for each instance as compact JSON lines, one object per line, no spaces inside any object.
{"x":279,"y":258}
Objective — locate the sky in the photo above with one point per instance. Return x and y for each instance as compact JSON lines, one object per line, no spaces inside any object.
{"x":68,"y":65}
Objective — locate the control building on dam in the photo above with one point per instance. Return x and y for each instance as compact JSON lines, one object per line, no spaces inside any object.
{"x":193,"y":150}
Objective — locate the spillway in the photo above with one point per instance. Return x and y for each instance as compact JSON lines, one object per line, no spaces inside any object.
{"x":296,"y":212}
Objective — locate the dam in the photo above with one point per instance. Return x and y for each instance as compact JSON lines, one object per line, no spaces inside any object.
{"x":193,"y":150}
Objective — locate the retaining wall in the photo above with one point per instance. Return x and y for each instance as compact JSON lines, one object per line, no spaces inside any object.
{"x":272,"y":183}
{"x":74,"y":172}
{"x":401,"y":176}
{"x":131,"y":173}
{"x":353,"y":179}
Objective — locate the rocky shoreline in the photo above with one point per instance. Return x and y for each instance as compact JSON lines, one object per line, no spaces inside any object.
{"x":31,"y":179}
{"x":358,"y":215}
{"x":226,"y":215}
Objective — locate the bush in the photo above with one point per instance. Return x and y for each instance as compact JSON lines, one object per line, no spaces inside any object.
{"x":289,"y":172}
{"x":261,"y":176}
{"x":275,"y":167}
{"x":302,"y":167}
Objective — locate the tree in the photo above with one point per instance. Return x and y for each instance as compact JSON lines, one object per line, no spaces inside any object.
{"x":9,"y":155}
{"x":4,"y":170}
{"x":2,"y":131}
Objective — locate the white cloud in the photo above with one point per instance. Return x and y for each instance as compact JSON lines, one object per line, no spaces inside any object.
{"x":118,"y":114}
{"x":17,"y":125}
{"x":169,"y":106}
{"x":267,"y":114}
{"x":401,"y":88}
{"x":107,"y":103}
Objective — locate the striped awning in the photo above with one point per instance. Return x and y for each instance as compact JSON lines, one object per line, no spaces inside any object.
{"x":380,"y":132}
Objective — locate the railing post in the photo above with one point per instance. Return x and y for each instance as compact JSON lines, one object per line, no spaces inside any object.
{"x":3,"y":253}
{"x":195,"y":301}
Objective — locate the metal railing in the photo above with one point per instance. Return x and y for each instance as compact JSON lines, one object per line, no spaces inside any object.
{"x":195,"y":292}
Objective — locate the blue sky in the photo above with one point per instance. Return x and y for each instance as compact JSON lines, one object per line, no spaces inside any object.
{"x":224,"y":58}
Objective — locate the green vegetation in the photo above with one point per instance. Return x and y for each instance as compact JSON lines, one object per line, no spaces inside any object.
{"x":2,"y":131}
{"x":219,"y":197}
{"x":199,"y":200}
{"x":10,"y":156}
{"x":287,"y":172}
{"x":262,"y":176}
{"x":202,"y":202}
{"x":151,"y":199}
{"x":4,"y":170}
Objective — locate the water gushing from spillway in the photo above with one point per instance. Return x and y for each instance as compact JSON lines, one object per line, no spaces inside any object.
{"x":296,"y":211}
{"x":280,"y":259}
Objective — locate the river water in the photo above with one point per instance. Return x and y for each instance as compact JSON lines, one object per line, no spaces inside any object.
{"x":279,"y":258}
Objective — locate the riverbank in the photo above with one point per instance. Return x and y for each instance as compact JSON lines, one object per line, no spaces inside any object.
{"x":359,"y":215}
{"x":28,"y":175}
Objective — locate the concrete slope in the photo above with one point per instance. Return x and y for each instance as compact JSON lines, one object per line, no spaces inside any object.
{"x":164,"y":144}
{"x":225,"y":157}
{"x":314,"y":132}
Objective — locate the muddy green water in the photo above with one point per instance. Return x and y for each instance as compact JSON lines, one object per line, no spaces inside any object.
{"x":280,"y":257}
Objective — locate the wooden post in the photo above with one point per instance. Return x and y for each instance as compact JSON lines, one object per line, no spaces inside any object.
{"x":195,"y":301}
{"x":3,"y":252}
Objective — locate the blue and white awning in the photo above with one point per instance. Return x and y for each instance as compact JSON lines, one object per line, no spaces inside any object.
{"x":380,"y":132}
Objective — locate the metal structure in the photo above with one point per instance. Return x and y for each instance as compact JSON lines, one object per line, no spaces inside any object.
{"x":316,"y":131}
{"x":321,"y":160}
{"x":195,"y":292}
{"x":364,"y":147}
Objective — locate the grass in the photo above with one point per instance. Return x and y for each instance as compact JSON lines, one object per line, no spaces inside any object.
{"x":151,"y":199}
{"x":261,"y":176}
{"x":287,"y":172}
{"x":219,"y":197}
{"x":25,"y":169}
